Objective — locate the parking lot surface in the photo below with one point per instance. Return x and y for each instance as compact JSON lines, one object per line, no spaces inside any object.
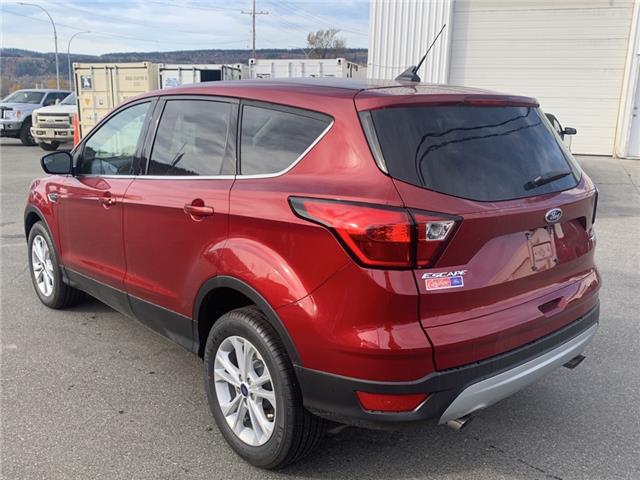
{"x":87,"y":393}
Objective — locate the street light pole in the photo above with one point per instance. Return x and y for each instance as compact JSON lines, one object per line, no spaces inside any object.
{"x":69,"y":55}
{"x":55,"y":39}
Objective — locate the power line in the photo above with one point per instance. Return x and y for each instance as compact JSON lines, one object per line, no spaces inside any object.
{"x":193,"y":6}
{"x":300,"y":11}
{"x":115,"y":35}
{"x":125,"y":20}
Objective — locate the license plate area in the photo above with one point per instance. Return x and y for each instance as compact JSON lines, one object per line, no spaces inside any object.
{"x":542,"y":249}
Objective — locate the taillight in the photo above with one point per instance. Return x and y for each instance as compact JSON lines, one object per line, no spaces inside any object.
{"x":379,"y":236}
{"x":595,"y":206}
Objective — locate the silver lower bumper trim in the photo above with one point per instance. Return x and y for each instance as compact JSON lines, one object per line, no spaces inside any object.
{"x":493,"y":389}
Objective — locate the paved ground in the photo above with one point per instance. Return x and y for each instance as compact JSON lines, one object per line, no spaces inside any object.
{"x":88,"y":393}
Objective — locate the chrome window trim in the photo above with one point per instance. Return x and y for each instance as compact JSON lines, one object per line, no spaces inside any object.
{"x":225,"y":177}
{"x":92,"y":175}
{"x":186,"y":177}
{"x":162,"y":177}
{"x":221,"y":177}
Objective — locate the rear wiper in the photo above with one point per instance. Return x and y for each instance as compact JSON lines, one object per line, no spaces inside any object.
{"x":544,"y":179}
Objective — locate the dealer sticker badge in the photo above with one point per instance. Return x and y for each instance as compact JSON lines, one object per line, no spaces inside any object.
{"x":442,"y":280}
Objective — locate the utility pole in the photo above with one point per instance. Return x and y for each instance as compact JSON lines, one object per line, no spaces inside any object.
{"x":253,"y":14}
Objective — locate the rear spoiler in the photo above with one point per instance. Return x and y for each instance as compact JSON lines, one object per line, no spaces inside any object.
{"x":413,"y":96}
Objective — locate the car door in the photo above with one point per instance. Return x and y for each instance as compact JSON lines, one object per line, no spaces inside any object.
{"x":176,"y":216}
{"x":90,"y":204}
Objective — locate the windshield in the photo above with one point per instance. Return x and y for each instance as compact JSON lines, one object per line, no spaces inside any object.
{"x":69,"y":99}
{"x":24,"y":96}
{"x":476,"y":152}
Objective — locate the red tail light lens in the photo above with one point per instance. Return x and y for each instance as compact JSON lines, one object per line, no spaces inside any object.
{"x":380,"y":236}
{"x":376,"y":236}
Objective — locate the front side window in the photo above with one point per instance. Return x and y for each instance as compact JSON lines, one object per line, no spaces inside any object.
{"x":112,"y":148}
{"x":194,"y":137}
{"x":272,"y":140}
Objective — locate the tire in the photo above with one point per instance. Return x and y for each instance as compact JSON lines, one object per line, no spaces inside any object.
{"x":54,"y":294}
{"x":25,"y":134}
{"x":295,"y":431}
{"x":50,"y":147}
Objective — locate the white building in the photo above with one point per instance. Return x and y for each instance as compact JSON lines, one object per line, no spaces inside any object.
{"x":173,"y":75}
{"x":579,"y":58}
{"x":309,"y":67}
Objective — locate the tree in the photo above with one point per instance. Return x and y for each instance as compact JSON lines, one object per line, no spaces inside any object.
{"x":326,"y":43}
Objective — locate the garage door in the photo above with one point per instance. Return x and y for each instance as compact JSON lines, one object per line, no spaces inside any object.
{"x":570,"y":55}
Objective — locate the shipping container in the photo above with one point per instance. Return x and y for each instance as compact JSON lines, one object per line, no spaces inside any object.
{"x":175,"y":75}
{"x":305,"y":67}
{"x":102,"y":86}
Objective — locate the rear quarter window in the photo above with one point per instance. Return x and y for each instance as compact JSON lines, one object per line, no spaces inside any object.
{"x":272,"y":140}
{"x":481,"y":153}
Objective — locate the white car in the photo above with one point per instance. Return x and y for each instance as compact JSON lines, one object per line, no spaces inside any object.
{"x":53,"y":125}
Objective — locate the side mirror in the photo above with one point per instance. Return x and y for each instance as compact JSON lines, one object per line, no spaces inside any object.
{"x":57,"y":163}
{"x":570,"y":131}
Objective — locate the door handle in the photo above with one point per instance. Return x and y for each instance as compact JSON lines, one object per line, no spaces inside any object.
{"x":107,"y":200}
{"x":198,"y":210}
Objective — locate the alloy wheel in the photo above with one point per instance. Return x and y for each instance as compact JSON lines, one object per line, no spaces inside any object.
{"x":245,"y":391}
{"x":42,"y":265}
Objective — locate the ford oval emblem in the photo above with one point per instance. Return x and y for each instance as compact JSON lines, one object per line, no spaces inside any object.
{"x":553,"y":215}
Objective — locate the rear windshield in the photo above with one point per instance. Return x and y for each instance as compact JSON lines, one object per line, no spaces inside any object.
{"x":475,"y":152}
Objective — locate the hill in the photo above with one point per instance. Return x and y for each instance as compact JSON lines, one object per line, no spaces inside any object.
{"x":27,"y":69}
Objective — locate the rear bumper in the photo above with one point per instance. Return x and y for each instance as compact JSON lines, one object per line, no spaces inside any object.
{"x":455,"y":392}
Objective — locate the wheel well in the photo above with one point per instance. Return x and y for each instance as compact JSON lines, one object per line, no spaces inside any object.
{"x":215,"y":304}
{"x":30,"y":221}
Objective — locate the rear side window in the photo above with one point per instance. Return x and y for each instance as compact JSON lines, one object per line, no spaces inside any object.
{"x":272,"y":140}
{"x":475,"y":152}
{"x":194,"y":138}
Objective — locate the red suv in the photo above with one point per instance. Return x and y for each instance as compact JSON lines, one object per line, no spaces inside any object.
{"x":367,"y":253}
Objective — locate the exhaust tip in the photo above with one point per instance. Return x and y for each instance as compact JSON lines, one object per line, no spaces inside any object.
{"x":459,"y":423}
{"x":574,"y":362}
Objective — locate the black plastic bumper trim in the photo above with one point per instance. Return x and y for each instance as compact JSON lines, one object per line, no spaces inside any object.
{"x":333,"y":396}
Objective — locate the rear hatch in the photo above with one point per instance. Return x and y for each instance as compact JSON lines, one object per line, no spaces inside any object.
{"x":518,"y":263}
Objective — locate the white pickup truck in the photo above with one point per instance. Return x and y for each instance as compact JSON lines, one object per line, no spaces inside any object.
{"x":17,"y":108}
{"x":53,"y":125}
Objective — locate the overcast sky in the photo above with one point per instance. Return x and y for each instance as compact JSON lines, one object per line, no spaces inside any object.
{"x":164,"y":25}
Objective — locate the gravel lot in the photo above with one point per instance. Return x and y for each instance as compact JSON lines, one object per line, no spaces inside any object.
{"x":87,"y":393}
